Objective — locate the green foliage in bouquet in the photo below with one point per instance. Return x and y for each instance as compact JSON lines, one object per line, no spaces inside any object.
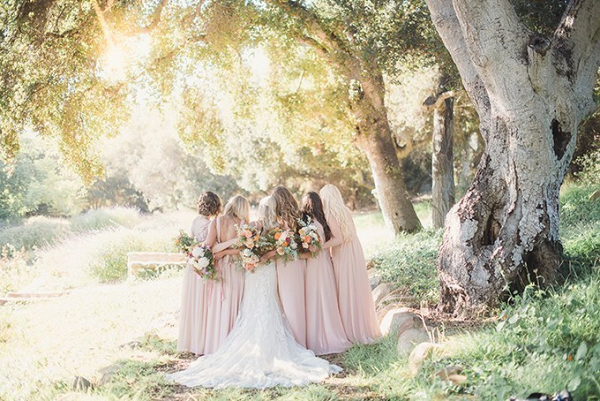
{"x":184,"y":242}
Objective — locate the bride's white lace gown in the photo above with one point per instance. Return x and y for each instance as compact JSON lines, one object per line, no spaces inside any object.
{"x":260,"y":351}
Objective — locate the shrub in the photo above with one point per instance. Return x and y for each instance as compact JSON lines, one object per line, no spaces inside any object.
{"x":590,"y":175}
{"x":14,"y":269}
{"x":37,"y":232}
{"x":109,"y":262}
{"x":104,"y":218}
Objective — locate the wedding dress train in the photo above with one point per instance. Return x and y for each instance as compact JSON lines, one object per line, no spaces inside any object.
{"x":260,"y":351}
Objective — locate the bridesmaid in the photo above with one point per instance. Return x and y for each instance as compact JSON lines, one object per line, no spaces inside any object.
{"x":324,"y":329}
{"x":192,"y":316}
{"x":291,"y":275}
{"x":354,"y":291}
{"x":225,"y":294}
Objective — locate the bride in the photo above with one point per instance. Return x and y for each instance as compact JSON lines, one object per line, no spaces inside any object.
{"x":260,"y":351}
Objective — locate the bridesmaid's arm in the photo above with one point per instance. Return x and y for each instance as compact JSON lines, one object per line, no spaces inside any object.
{"x":336,"y":234}
{"x":220,"y":254}
{"x":224,"y":245}
{"x":267,"y":256}
{"x":211,"y":237}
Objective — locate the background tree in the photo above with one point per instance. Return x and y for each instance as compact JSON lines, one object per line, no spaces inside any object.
{"x":531,"y":92}
{"x":361,"y":41}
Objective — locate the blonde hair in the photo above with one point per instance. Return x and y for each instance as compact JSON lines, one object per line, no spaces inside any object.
{"x":333,"y":205}
{"x":239,"y":207}
{"x":267,"y":212}
{"x":287,"y":209}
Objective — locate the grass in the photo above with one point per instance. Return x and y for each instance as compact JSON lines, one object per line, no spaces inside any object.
{"x":538,"y":341}
{"x":409,"y":262}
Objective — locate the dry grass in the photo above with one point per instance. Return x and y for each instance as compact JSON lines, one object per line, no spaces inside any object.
{"x":76,"y":335}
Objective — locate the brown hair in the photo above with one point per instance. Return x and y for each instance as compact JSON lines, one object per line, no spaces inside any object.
{"x":209,"y":204}
{"x":287,"y":209}
{"x":312,"y":207}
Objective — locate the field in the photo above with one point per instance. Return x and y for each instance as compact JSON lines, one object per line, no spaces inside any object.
{"x":120,"y":334}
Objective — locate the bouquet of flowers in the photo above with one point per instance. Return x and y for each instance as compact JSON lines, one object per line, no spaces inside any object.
{"x":286,"y":244}
{"x":249,"y":259}
{"x":308,"y":237}
{"x":184,"y":242}
{"x":252,"y":244}
{"x":248,"y":236}
{"x":202,"y":261}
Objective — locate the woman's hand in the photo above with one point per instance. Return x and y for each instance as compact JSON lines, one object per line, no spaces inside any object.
{"x":304,"y":255}
{"x":264,"y":258}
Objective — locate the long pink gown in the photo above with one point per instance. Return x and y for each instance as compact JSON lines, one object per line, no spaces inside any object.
{"x":290,"y":282}
{"x":324,"y":329}
{"x":354,"y":290}
{"x":192,"y":315}
{"x":224,"y":298}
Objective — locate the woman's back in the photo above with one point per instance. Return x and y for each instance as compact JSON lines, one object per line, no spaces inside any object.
{"x":200,"y":227}
{"x":226,"y":228}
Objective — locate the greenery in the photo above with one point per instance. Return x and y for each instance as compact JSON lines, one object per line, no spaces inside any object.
{"x":39,"y":231}
{"x":590,"y":165}
{"x":409,"y":262}
{"x":100,"y":219}
{"x":14,"y":269}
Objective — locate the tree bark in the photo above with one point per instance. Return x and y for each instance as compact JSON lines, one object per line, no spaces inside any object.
{"x":442,"y":167}
{"x":374,"y":138}
{"x":531,"y":93}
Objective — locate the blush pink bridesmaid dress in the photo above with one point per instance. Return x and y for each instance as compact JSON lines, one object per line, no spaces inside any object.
{"x":357,"y":308}
{"x":324,"y":329}
{"x":291,"y":278}
{"x":224,"y":297}
{"x":192,"y":315}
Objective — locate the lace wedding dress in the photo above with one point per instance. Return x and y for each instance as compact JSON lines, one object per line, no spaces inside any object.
{"x":260,"y":351}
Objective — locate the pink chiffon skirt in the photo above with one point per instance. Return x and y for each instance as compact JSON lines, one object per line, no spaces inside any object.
{"x":192,"y":316}
{"x":354,"y":292}
{"x":324,"y":329}
{"x":224,"y":297}
{"x":290,"y":283}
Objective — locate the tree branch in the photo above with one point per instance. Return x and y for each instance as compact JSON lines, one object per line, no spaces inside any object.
{"x":436,"y":101}
{"x":493,"y":32}
{"x":446,"y":22}
{"x":577,"y":39}
{"x":325,"y":43}
{"x":157,"y":15}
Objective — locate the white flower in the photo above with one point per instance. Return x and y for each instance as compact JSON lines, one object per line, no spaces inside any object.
{"x":202,"y":263}
{"x":197,"y":252}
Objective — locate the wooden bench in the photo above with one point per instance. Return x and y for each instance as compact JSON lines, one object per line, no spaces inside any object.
{"x":141,"y":260}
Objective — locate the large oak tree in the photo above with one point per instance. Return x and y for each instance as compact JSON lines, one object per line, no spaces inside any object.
{"x":531,"y":92}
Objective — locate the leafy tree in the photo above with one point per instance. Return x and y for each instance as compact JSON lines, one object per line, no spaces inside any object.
{"x":35,"y":183}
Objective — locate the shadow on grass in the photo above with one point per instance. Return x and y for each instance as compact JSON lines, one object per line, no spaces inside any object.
{"x":144,"y":376}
